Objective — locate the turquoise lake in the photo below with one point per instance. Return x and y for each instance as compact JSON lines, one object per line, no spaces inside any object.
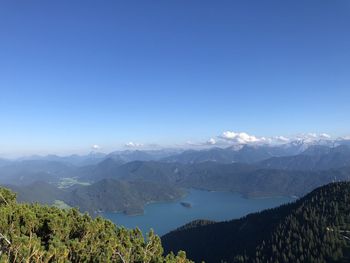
{"x":218,"y":206}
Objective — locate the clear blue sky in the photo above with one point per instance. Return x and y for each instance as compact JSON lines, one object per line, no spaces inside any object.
{"x":77,"y":73}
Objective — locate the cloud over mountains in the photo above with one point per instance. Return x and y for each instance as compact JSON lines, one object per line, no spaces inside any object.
{"x":232,"y":138}
{"x":228,"y":138}
{"x":240,"y":137}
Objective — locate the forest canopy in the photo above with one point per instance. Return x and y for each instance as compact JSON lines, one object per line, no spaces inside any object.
{"x":36,"y":233}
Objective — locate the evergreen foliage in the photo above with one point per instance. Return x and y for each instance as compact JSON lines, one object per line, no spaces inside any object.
{"x":35,"y":233}
{"x":318,"y":231}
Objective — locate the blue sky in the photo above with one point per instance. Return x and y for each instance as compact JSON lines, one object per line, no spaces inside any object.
{"x":78,"y":73}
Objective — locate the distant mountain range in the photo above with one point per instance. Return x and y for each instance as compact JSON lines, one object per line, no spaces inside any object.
{"x":248,"y":153}
{"x":28,"y":171}
{"x":94,"y":158}
{"x":314,"y":158}
{"x":77,"y":160}
{"x":242,"y":154}
{"x":137,"y":155}
{"x":127,"y":180}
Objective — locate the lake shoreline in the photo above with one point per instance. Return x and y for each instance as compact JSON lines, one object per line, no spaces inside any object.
{"x":207,"y":205}
{"x":187,"y":192}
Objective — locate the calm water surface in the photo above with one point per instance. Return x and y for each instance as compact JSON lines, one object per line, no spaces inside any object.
{"x":218,"y":206}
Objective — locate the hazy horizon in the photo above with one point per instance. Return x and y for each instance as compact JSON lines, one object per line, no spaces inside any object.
{"x":226,"y":139}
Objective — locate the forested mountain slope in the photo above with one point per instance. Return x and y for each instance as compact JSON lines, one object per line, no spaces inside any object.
{"x":315,"y":228}
{"x":249,"y":180}
{"x":134,"y":184}
{"x":120,"y":196}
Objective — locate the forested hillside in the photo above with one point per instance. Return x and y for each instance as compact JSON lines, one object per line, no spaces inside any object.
{"x":129,"y":187}
{"x":121,"y":183}
{"x":34,"y":233}
{"x":121,"y":196}
{"x":315,"y":228}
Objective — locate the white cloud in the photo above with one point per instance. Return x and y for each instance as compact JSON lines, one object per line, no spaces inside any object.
{"x":311,"y":135}
{"x":211,"y":141}
{"x":133,"y":145}
{"x":325,"y":136}
{"x":95,"y":147}
{"x":231,"y":138}
{"x":240,"y":137}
